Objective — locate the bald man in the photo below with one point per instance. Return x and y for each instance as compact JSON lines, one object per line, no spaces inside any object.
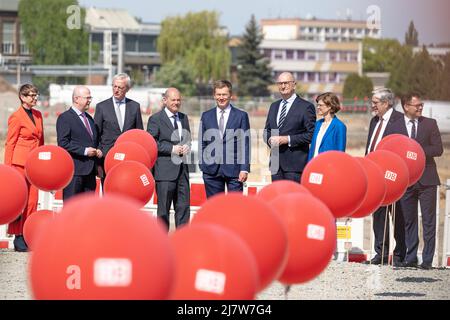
{"x":172,"y":133}
{"x":76,"y":132}
{"x":288,"y":132}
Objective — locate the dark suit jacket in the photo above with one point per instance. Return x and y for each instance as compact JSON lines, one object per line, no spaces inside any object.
{"x":391,"y":127}
{"x":167,"y":166}
{"x":73,"y":136}
{"x":429,"y":137}
{"x":232,"y":153}
{"x":299,"y":125}
{"x":108,"y":126}
{"x":335,"y":138}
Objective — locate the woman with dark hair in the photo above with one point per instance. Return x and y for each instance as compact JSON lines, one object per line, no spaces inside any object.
{"x":330,"y":133}
{"x":25,"y":133}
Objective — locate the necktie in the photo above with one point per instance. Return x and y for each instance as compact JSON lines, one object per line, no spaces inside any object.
{"x":374,"y":141}
{"x":175,"y":125}
{"x":86,"y":124}
{"x":222,"y":123}
{"x":413,"y":129}
{"x":119,"y":115}
{"x":282,"y":114}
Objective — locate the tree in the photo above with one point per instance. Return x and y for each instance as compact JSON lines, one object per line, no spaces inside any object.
{"x":254,"y":73}
{"x":50,"y":40}
{"x":177,"y":74}
{"x":356,"y":86}
{"x":445,"y":79}
{"x":412,"y":36}
{"x":380,"y":55}
{"x":197,"y":41}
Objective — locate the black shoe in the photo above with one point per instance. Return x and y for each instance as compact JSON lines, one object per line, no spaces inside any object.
{"x":408,"y":264}
{"x":19,"y":244}
{"x":376,"y":261}
{"x":426,"y":266}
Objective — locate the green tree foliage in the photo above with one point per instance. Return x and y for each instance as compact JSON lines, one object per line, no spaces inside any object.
{"x":47,"y":34}
{"x":356,"y":86}
{"x":380,"y":55}
{"x":412,"y":36}
{"x":254,"y":73}
{"x":445,"y":79}
{"x":197,"y":41}
{"x":177,"y":74}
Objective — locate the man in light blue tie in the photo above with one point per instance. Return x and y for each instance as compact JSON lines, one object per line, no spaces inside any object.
{"x":288,"y":131}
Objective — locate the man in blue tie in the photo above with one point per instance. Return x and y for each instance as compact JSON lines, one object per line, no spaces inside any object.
{"x":76,"y":132}
{"x":288,"y":131}
{"x":224,"y":143}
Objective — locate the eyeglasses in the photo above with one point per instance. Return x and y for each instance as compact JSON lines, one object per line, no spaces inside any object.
{"x":417,"y":106}
{"x":33,"y":95}
{"x":284,"y":83}
{"x":376,"y":102}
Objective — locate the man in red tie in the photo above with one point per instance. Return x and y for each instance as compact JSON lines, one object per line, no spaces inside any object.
{"x":381,"y":125}
{"x":76,"y":132}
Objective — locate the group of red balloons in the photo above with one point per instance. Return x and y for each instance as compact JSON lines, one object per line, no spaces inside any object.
{"x":236,"y":245}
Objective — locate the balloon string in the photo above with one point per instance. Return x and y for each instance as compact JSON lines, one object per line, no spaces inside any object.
{"x":287,"y":288}
{"x":386,"y":217}
{"x":393,"y":230}
{"x":347,"y":238}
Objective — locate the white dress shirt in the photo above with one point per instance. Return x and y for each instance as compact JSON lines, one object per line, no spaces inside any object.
{"x":172,"y":120}
{"x":122,"y":107}
{"x":226,"y":115}
{"x":79,"y":113}
{"x":386,"y":118}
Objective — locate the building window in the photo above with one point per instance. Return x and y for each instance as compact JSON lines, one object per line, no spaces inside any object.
{"x":278,"y":54}
{"x":311,"y":56}
{"x":322,"y":77}
{"x":300,"y":55}
{"x":310,"y":77}
{"x":289,"y":54}
{"x":332,"y":77}
{"x":333,"y":56}
{"x":267,"y":53}
{"x":23,"y":44}
{"x":147,"y":44}
{"x":9,"y":36}
{"x":301,"y":76}
{"x":353,"y":56}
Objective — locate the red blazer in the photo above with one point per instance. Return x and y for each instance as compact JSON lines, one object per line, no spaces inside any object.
{"x":23,"y":136}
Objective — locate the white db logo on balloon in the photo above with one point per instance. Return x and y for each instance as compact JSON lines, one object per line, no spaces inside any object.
{"x":45,"y":156}
{"x":119,"y":156}
{"x":144,"y":180}
{"x":390,"y":175}
{"x":210,"y":281}
{"x":411,"y":155}
{"x":113,"y":272}
{"x":315,"y":178}
{"x":315,"y":232}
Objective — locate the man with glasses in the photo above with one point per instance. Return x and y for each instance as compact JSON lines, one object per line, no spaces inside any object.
{"x":288,"y":131}
{"x":426,"y":132}
{"x":116,"y":115}
{"x":76,"y":132}
{"x":382,"y":124}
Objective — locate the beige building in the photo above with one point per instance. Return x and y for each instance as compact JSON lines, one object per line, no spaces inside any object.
{"x":320,"y":53}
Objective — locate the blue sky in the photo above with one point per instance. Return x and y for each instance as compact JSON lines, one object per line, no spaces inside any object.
{"x":430,"y":16}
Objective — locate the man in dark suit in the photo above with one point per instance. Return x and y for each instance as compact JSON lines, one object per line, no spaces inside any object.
{"x":426,"y":132}
{"x":116,"y":115}
{"x":76,"y":132}
{"x":224,"y":143}
{"x":288,"y":131}
{"x":382,"y":124}
{"x":172,"y":133}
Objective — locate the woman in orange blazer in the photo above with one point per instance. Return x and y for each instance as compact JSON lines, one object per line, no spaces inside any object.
{"x":25,"y":133}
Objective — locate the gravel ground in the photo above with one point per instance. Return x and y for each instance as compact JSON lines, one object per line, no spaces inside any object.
{"x":340,"y":281}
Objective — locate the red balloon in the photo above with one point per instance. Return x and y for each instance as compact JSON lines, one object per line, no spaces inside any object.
{"x":395,"y":173}
{"x":126,"y":151}
{"x":256,"y":223}
{"x":132,"y":179}
{"x":102,"y":248}
{"x":338,"y":180}
{"x":13,"y":194}
{"x":278,"y":188}
{"x":49,"y":168}
{"x":34,"y":225}
{"x":312,"y":236}
{"x":212,"y":262}
{"x":409,"y":150}
{"x":143,"y":138}
{"x":376,"y":188}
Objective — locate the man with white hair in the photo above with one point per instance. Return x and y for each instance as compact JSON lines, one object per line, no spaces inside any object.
{"x":381,"y":125}
{"x":117,"y":114}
